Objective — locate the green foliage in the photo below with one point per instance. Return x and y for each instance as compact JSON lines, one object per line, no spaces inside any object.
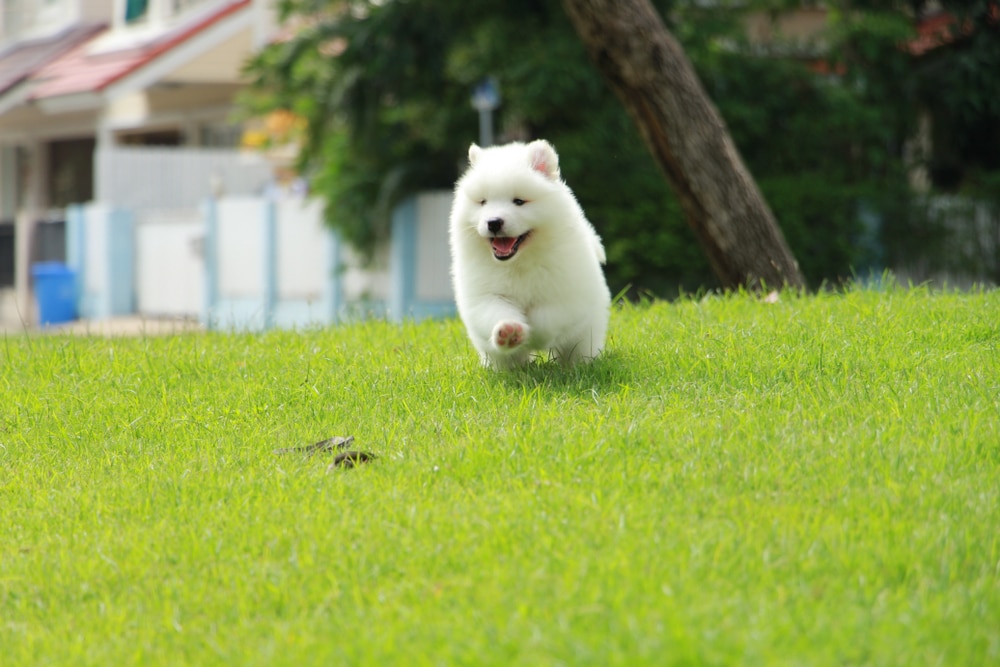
{"x":816,"y":144}
{"x":390,"y":114}
{"x":648,"y":243}
{"x":813,"y":482}
{"x":386,"y":85}
{"x":957,"y":85}
{"x":960,"y":87}
{"x":370,"y":82}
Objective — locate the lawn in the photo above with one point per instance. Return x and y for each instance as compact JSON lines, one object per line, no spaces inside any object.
{"x":810,"y":482}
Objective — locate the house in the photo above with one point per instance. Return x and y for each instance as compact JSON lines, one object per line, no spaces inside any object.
{"x":78,"y":77}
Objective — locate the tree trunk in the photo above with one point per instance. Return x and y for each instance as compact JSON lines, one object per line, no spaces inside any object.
{"x":652,"y":76}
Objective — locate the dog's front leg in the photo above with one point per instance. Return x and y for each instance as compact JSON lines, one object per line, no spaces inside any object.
{"x":500,"y":331}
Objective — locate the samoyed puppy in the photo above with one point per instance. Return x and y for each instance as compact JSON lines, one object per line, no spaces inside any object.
{"x":526,"y":262}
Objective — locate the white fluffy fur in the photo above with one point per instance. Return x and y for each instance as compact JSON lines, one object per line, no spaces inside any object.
{"x":551,"y":295}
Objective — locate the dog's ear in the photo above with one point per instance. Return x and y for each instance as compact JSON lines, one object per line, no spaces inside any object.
{"x":474,"y":152}
{"x":543,"y":159}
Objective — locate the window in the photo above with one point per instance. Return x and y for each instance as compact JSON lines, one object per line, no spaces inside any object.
{"x":136,"y":10}
{"x":220,"y":135}
{"x":143,"y":11}
{"x":71,"y":172}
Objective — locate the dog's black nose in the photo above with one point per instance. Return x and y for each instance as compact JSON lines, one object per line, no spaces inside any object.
{"x":494,"y":225}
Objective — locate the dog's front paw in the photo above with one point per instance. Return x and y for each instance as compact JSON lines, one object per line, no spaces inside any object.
{"x":509,"y":335}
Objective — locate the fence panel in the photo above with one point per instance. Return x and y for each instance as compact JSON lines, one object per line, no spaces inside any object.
{"x":419,"y":258}
{"x":100,"y":246}
{"x":433,"y":258}
{"x":302,"y":242}
{"x":137,"y":177}
{"x":253,"y":263}
{"x":170,"y":266}
{"x":238,"y":263}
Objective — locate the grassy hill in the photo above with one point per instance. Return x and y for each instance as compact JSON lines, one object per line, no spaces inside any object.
{"x":810,"y":482}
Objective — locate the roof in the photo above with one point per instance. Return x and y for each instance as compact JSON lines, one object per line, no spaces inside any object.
{"x":83,"y":69}
{"x":22,"y":60}
{"x":943,"y":28}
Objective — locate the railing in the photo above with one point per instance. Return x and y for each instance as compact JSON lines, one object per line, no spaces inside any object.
{"x":169,"y":178}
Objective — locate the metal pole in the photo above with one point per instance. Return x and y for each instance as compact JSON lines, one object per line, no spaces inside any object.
{"x":486,"y":98}
{"x":485,"y":127}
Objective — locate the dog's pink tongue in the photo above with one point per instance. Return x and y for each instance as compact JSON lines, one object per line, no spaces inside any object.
{"x":503,"y":244}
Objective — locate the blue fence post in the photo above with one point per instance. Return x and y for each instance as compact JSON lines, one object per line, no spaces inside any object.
{"x":121,"y":262}
{"x":269,"y":262}
{"x":333,"y":285}
{"x":403,"y":260}
{"x":76,"y":254}
{"x":210,"y":221}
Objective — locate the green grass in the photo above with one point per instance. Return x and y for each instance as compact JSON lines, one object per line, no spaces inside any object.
{"x":812,"y":482}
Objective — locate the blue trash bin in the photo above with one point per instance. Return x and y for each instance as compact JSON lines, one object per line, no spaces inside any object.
{"x":55,"y":292}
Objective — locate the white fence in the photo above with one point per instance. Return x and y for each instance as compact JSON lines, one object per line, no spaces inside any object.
{"x":269,"y":264}
{"x":420,"y":261}
{"x":255,"y":263}
{"x":99,"y":246}
{"x":139,"y":178}
{"x":170,"y":263}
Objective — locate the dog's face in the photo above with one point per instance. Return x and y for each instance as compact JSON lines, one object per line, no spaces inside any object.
{"x":502,"y":198}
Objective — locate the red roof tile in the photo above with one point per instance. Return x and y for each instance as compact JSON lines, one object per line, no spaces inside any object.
{"x":81,"y":70}
{"x":23,"y":60}
{"x":943,"y":28}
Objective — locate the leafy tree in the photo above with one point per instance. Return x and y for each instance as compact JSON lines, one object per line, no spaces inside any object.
{"x":372,"y":82}
{"x":385,"y":89}
{"x":951,"y":76}
{"x":647,"y":68}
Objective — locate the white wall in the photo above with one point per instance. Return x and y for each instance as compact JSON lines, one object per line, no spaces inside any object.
{"x":240,"y":247}
{"x":170,"y":266}
{"x":365,"y":282}
{"x":433,"y":254}
{"x":95,"y":249}
{"x":302,"y":250}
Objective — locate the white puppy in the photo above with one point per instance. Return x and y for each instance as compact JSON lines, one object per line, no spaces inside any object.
{"x":526,"y":263}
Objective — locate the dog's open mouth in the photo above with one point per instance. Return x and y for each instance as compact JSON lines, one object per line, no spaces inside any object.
{"x":505,"y":247}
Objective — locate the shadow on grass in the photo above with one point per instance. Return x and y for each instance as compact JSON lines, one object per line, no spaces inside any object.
{"x":612,"y":371}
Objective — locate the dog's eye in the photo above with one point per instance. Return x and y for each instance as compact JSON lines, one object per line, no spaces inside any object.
{"x":482,"y":202}
{"x":518,"y":201}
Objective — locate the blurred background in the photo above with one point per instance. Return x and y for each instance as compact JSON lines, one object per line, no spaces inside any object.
{"x":872,"y":128}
